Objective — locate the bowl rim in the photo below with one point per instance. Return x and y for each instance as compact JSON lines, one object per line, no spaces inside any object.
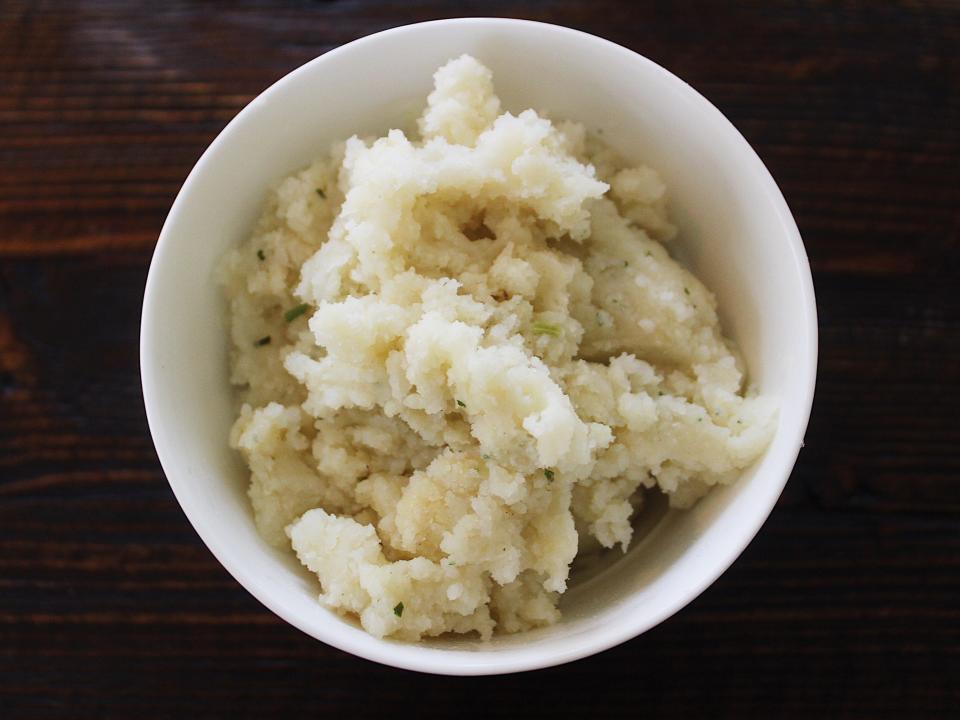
{"x":478,"y":662}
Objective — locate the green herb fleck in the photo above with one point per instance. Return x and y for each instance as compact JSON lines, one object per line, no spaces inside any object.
{"x":541,"y":328}
{"x":626,"y":263}
{"x":649,"y":254}
{"x":260,"y":255}
{"x":485,"y":456}
{"x":398,"y":609}
{"x":659,"y":392}
{"x":549,"y":474}
{"x":265,"y":340}
{"x":687,"y":290}
{"x":461,"y":403}
{"x":739,"y":422}
{"x":295,"y":312}
{"x":321,"y":193}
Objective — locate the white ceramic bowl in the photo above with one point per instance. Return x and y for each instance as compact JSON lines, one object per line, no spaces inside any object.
{"x":736,"y":233}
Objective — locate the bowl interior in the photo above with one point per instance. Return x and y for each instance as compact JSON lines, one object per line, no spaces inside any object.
{"x":736,"y":234}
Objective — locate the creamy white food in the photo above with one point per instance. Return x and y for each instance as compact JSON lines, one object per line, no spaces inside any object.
{"x":464,"y":356}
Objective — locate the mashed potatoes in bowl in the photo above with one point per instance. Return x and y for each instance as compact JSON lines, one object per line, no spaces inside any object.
{"x":464,"y":356}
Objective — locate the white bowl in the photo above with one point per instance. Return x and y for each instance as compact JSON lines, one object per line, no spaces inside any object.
{"x":736,"y":233}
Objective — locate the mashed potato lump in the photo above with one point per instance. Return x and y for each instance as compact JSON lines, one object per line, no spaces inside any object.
{"x":462,"y":358}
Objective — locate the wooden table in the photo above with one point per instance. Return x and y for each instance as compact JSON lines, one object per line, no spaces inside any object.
{"x":846,"y":605}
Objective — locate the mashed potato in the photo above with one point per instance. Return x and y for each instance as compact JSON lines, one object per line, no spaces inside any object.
{"x":466,"y":356}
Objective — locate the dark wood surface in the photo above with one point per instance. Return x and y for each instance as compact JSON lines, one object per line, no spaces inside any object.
{"x":846,"y":605}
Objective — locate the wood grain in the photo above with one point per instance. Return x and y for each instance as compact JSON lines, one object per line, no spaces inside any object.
{"x":847,"y":605}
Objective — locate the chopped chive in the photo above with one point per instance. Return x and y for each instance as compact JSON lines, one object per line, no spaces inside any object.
{"x":541,"y":328}
{"x":398,"y":609}
{"x":260,"y":255}
{"x":461,"y":403}
{"x":295,"y":312}
{"x":321,"y":193}
{"x":626,"y":263}
{"x":549,"y":474}
{"x":265,"y":340}
{"x":649,"y":254}
{"x":687,"y":290}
